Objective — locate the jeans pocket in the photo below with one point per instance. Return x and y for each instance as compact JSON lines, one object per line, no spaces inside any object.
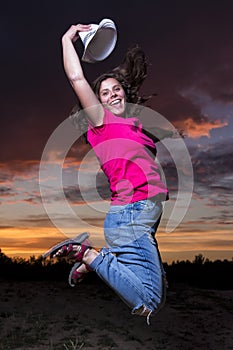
{"x":112,"y":225}
{"x":147,"y":205}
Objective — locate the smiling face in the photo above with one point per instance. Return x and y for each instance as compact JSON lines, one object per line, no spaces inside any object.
{"x":112,"y":96}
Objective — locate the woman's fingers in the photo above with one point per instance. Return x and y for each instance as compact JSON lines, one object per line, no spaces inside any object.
{"x":83,"y":27}
{"x":73,"y":31}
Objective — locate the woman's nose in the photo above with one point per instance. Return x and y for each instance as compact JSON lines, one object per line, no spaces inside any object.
{"x":113,"y":94}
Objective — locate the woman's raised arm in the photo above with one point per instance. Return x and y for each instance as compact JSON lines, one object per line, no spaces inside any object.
{"x":76,"y":77}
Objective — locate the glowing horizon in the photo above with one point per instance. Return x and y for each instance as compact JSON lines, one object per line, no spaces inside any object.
{"x":173,"y":246}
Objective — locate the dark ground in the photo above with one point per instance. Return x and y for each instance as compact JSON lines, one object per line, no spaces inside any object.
{"x":50,"y":315}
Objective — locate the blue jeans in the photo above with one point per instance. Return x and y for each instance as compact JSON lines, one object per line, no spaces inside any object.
{"x":131,"y":264}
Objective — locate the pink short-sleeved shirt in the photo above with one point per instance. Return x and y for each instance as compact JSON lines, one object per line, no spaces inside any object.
{"x":126,"y":156}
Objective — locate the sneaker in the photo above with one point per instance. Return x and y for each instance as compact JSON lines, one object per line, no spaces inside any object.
{"x":70,"y":246}
{"x":76,"y":276}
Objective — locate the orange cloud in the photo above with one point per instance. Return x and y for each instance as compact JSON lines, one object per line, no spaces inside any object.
{"x":196,"y":130}
{"x":19,"y":165}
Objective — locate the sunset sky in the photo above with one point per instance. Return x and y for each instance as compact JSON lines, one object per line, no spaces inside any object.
{"x":190,"y":48}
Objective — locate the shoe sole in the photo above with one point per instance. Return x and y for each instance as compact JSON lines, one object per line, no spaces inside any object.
{"x":78,"y":240}
{"x":76,"y":265}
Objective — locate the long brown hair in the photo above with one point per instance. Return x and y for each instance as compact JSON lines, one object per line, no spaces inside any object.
{"x":130,"y":73}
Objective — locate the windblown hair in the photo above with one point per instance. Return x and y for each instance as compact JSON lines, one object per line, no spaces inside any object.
{"x":131,"y":74}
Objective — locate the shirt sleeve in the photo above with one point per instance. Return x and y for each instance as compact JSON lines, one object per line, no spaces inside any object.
{"x":99,"y":129}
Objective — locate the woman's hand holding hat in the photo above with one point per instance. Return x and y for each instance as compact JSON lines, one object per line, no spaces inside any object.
{"x":73,"y":32}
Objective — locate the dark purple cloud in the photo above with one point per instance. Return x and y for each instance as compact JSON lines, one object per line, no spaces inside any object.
{"x":188,"y":44}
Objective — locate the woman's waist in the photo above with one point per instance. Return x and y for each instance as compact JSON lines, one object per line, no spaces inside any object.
{"x":125,"y":198}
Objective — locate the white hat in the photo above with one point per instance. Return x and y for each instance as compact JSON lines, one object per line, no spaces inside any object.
{"x":99,"y":42}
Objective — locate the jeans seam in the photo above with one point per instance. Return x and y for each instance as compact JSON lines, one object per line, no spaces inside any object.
{"x":148,"y":274}
{"x":150,"y":299}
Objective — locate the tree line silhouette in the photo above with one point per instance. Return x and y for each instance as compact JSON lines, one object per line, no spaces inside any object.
{"x":201,"y":272}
